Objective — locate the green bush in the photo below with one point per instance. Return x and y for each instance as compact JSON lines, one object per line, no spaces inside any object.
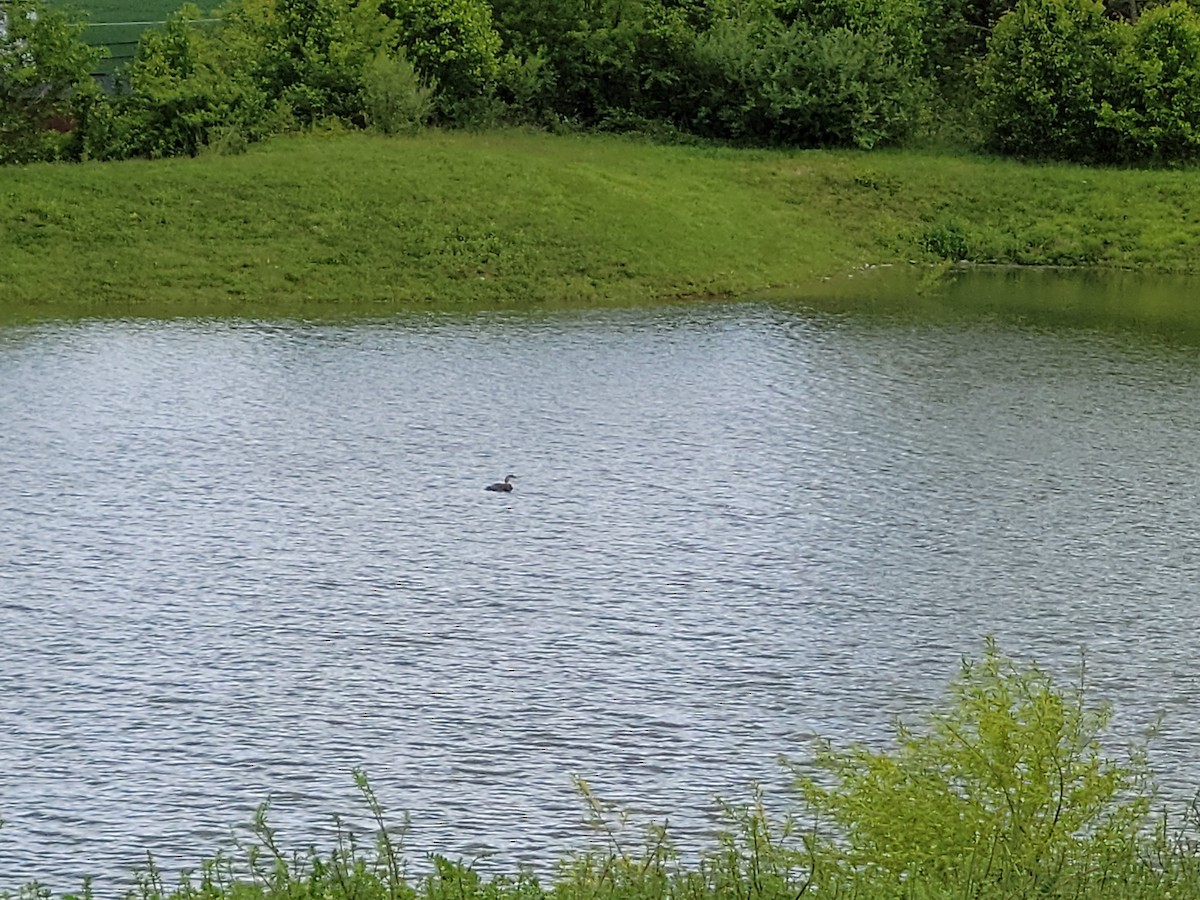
{"x":725,"y":97}
{"x":902,"y":21}
{"x":266,"y":66}
{"x":841,"y":87}
{"x":310,"y":56}
{"x":800,"y":72}
{"x":184,"y":89}
{"x":581,"y":45}
{"x":1007,"y":789}
{"x":451,"y":43}
{"x":947,"y":240}
{"x":955,"y":35}
{"x":801,"y":85}
{"x":663,"y":75}
{"x":1061,"y":80}
{"x":1154,"y":108}
{"x":527,"y":85}
{"x":396,"y":100}
{"x":612,"y":64}
{"x":45,"y":82}
{"x":1050,"y":65}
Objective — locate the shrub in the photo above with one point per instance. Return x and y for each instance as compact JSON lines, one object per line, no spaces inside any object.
{"x":1154,"y":109}
{"x":587,"y":49}
{"x":841,"y":87}
{"x":451,"y":43}
{"x":310,"y":56}
{"x":902,"y":21}
{"x":1007,"y":788}
{"x":1049,"y":66}
{"x":729,"y":60}
{"x":45,"y":82}
{"x":184,"y":87}
{"x":527,"y":84}
{"x":839,"y":72}
{"x":395,"y":99}
{"x":615,"y":64}
{"x":955,"y":34}
{"x":801,"y":85}
{"x":947,"y":240}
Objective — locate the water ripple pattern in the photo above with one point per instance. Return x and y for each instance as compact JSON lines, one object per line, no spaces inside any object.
{"x":239,"y":559}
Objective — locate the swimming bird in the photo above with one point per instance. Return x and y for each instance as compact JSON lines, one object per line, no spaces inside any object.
{"x":505,"y":485}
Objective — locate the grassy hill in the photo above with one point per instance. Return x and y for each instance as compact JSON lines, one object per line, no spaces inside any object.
{"x":353,"y":223}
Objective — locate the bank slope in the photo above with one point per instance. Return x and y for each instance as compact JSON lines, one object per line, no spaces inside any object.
{"x":358,"y":223}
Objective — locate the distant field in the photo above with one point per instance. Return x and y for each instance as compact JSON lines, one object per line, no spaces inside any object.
{"x":117,"y":24}
{"x":120,"y":10}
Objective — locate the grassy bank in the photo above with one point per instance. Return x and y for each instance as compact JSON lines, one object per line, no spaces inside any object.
{"x":361,"y":224}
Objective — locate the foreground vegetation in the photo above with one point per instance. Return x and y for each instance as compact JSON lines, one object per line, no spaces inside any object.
{"x":349,"y":224}
{"x":1004,"y":793}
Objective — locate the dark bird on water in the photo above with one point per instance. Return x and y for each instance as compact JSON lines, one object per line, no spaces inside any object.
{"x":505,"y":485}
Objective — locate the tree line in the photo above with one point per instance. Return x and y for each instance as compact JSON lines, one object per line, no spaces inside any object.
{"x":1051,"y":79}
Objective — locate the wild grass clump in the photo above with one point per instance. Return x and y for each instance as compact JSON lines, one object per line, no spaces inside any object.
{"x":1004,"y":793}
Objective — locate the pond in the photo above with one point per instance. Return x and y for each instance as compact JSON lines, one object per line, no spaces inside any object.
{"x":240,"y":558}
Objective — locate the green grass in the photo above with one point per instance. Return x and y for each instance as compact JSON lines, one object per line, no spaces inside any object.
{"x":356,"y":223}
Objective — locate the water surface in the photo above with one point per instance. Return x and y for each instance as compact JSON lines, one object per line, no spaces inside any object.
{"x":240,"y":558}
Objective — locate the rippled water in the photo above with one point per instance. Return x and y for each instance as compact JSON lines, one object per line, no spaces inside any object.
{"x":238,"y":559}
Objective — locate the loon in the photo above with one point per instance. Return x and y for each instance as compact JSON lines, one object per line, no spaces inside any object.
{"x":505,"y":485}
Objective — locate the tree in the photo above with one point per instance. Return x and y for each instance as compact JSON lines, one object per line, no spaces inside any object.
{"x":309,"y":56}
{"x":1154,"y":108}
{"x":186,"y":85}
{"x":45,"y":82}
{"x":451,"y":43}
{"x":1050,"y":64}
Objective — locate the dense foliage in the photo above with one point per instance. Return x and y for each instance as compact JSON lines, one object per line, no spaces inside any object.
{"x":1061,"y":79}
{"x":1003,"y":794}
{"x":44,"y":81}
